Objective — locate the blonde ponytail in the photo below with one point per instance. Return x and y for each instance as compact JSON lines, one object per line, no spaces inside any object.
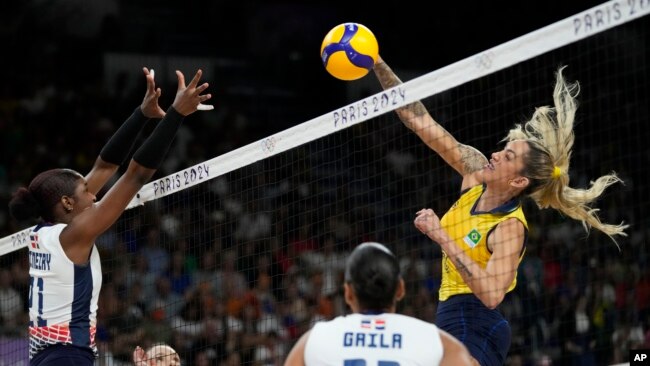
{"x":550,"y":136}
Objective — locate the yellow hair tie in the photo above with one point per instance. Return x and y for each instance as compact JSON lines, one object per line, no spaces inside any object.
{"x":557,"y":172}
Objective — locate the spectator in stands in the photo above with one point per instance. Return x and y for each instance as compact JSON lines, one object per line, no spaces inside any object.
{"x":158,"y":258}
{"x":206,"y":276}
{"x":11,"y":306}
{"x":156,"y":355}
{"x":576,"y":329}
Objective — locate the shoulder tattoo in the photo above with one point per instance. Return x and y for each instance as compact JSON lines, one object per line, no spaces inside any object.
{"x":471,"y":158}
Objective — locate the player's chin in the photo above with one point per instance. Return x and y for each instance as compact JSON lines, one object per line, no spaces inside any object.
{"x":491,"y":177}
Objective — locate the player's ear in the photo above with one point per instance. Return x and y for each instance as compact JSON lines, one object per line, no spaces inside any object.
{"x":400,"y":291}
{"x":519,"y":182}
{"x":67,"y":202}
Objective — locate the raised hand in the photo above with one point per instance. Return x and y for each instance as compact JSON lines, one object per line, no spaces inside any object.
{"x":428,"y":223}
{"x":188,"y":98}
{"x":150,"y":107}
{"x":139,"y":357}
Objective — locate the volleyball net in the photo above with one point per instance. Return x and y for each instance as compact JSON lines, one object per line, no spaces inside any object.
{"x":235,"y":257}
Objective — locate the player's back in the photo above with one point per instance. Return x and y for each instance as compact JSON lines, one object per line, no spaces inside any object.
{"x":63,"y":296}
{"x":374,"y":340}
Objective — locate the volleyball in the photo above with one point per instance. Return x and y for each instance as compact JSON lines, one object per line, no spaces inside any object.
{"x":349,"y":51}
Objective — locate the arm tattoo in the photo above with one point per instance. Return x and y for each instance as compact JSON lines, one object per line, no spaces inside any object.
{"x":461,"y":267}
{"x":388,"y":79}
{"x":386,"y":76}
{"x":417,"y":108}
{"x":471,"y":158}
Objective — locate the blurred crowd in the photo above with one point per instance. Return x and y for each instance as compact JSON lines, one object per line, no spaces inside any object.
{"x":220,"y":304}
{"x":233,"y":271}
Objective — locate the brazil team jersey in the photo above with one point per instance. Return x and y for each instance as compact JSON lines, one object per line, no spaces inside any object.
{"x":469,"y":229}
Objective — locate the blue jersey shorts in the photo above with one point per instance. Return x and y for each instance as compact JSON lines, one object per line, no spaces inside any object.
{"x":484,"y":332}
{"x":63,"y":355}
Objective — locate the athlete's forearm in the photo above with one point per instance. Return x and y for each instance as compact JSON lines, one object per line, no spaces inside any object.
{"x":411,"y":114}
{"x":120,"y":144}
{"x":154,"y":149}
{"x":482,"y":283}
{"x":116,"y":150}
{"x":463,"y":158}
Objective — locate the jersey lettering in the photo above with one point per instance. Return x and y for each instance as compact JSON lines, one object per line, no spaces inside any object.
{"x":372,"y":340}
{"x":362,"y":362}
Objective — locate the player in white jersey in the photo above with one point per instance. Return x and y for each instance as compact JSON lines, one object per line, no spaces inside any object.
{"x":65,"y":269}
{"x":374,"y":335}
{"x":63,"y":296}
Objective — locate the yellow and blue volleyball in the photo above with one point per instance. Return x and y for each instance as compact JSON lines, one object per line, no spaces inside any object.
{"x":349,"y":51}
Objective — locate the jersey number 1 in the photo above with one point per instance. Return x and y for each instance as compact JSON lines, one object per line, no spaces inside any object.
{"x":39,"y":283}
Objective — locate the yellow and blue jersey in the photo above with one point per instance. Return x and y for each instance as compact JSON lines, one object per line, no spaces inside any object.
{"x":469,"y":229}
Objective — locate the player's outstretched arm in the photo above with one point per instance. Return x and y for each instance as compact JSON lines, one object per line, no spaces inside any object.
{"x":77,"y":238}
{"x":463,"y":158}
{"x":454,"y":352}
{"x":297,"y":355}
{"x":116,"y":150}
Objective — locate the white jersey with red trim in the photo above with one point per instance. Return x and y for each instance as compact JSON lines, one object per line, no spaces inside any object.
{"x":373,"y":340}
{"x":62,"y":296}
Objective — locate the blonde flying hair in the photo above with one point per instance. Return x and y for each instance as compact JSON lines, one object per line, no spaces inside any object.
{"x":550,"y":136}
